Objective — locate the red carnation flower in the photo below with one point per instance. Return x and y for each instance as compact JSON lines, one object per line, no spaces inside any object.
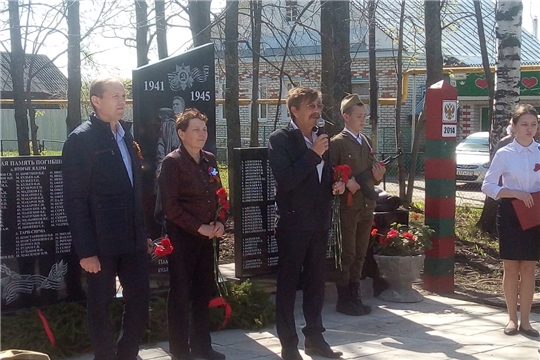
{"x":415,"y":216}
{"x":222,"y":214}
{"x":164,"y":248}
{"x":373,"y":232}
{"x":407,"y":235}
{"x":342,"y":173}
{"x":222,"y":193}
{"x":393,"y":233}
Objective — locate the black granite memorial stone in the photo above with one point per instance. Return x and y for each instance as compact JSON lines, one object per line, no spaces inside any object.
{"x":254,"y":212}
{"x":36,"y":243}
{"x":160,"y":92}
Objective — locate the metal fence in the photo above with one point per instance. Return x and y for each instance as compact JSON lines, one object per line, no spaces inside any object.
{"x":10,"y":147}
{"x":467,"y":193}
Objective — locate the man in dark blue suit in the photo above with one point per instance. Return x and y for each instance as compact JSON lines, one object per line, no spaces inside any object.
{"x":102,"y":199}
{"x":303,"y":196}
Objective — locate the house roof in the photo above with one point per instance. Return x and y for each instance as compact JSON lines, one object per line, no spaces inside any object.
{"x":460,"y":46}
{"x":47,"y":80}
{"x":460,"y":37}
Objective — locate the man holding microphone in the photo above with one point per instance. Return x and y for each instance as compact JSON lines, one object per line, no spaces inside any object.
{"x":304,"y":187}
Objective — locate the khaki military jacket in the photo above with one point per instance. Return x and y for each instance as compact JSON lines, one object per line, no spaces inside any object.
{"x":345,"y":150}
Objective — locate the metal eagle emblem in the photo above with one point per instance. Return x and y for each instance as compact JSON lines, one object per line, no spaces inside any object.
{"x":184,"y":77}
{"x":449,"y":111}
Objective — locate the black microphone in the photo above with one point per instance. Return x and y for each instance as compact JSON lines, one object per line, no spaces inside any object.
{"x":320,"y":127}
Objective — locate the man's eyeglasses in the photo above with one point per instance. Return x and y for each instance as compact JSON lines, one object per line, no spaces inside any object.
{"x":313,"y":106}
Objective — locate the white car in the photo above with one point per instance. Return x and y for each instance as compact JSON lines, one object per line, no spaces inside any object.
{"x":472,"y":158}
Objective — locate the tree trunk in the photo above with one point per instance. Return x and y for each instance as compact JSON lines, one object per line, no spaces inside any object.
{"x":161,"y":29}
{"x":30,"y":109}
{"x":74,"y":66}
{"x":434,"y":67}
{"x":342,"y":60}
{"x":141,"y":17}
{"x":507,"y":81}
{"x":373,"y":87}
{"x":256,"y":14}
{"x":327,"y":61}
{"x":508,"y":19}
{"x":199,"y":21}
{"x":399,"y":73}
{"x":17,"y":62}
{"x":232,"y":112}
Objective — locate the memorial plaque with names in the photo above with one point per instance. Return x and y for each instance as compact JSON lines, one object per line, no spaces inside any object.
{"x":255,"y":246}
{"x":36,"y":241}
{"x":254,"y":212}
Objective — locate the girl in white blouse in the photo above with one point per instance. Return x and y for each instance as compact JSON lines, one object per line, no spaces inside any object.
{"x":517,"y":164}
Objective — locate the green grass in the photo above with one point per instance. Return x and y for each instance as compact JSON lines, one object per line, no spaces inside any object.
{"x":224,"y":175}
{"x":43,"y":153}
{"x":465,"y":227}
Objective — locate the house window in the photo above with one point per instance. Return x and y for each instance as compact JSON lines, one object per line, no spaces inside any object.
{"x":263,"y":108}
{"x":291,"y":10}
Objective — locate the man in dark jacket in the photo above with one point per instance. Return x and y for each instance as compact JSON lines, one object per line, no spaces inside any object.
{"x":102,"y":199}
{"x":304,"y":186}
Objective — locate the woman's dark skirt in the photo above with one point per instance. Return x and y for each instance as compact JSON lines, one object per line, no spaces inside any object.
{"x":515,"y":243}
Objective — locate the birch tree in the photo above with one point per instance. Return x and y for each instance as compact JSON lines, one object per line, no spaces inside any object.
{"x":508,"y":17}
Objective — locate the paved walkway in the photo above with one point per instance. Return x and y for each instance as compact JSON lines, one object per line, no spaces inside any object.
{"x":436,"y":328}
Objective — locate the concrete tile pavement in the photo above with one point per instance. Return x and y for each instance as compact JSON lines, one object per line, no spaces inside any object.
{"x":436,"y":328}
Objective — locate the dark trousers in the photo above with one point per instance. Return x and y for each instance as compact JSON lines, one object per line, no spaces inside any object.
{"x":192,"y":285}
{"x":300,"y":251}
{"x":132,"y":270}
{"x":356,"y":227}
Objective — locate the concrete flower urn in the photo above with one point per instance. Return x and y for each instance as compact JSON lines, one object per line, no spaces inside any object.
{"x":400,"y":272}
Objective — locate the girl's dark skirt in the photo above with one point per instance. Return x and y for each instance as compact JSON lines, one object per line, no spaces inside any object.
{"x":515,"y":243}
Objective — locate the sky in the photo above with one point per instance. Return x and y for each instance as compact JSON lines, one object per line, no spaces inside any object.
{"x":118,"y":60}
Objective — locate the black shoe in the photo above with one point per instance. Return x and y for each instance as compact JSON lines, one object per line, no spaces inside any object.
{"x":290,"y":354}
{"x":379,"y":285}
{"x":530,"y":332}
{"x":345,"y":303}
{"x":320,"y":348}
{"x":510,"y":331}
{"x":208,"y":354}
{"x":356,"y":296}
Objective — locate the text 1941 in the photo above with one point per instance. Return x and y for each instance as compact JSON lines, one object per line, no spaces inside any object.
{"x":153,"y":86}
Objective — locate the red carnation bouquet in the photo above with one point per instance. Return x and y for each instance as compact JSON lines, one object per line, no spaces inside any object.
{"x":335,"y":246}
{"x":221,"y":215}
{"x":162,"y":247}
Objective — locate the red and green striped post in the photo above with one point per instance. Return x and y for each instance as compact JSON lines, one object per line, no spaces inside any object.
{"x":440,"y":175}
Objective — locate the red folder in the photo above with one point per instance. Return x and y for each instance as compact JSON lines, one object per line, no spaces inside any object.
{"x":528,"y":217}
